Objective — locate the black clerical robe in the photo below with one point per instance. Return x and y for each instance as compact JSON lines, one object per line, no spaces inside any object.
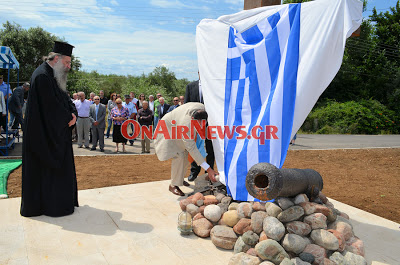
{"x":48,"y":171}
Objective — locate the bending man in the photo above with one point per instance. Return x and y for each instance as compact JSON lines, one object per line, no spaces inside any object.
{"x":178,"y":149}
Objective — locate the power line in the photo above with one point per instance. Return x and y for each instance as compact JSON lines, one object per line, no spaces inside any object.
{"x":373,"y":49}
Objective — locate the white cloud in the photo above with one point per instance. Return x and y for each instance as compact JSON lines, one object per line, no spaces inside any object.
{"x":136,"y":52}
{"x":234,"y":2}
{"x":114,"y":3}
{"x":109,"y":42}
{"x":167,"y":3}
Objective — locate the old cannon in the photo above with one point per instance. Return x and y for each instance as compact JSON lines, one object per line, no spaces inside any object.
{"x":265,"y":182}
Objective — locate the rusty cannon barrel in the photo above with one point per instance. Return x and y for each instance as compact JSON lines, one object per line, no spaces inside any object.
{"x":265,"y":182}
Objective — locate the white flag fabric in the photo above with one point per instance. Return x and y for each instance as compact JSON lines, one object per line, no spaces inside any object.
{"x":262,"y":70}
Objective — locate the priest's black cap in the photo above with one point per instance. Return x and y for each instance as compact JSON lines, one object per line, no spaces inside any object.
{"x":63,"y":48}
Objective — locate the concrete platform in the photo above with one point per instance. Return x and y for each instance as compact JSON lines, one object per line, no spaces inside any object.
{"x":137,"y":224}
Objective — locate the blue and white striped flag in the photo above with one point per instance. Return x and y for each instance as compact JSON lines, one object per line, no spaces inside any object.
{"x":267,"y":67}
{"x":260,"y":90}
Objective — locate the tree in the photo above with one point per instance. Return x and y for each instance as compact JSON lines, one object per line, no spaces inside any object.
{"x":161,"y":76}
{"x":387,"y":32}
{"x":29,"y":46}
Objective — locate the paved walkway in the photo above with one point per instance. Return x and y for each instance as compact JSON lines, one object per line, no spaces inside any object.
{"x":340,"y":141}
{"x":137,"y":224}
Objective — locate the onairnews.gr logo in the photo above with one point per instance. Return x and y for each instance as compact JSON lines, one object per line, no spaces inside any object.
{"x":176,"y":132}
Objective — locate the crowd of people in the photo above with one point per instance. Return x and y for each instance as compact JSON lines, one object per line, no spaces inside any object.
{"x":100,"y":117}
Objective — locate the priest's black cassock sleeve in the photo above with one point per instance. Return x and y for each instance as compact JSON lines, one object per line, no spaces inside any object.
{"x":48,"y":170}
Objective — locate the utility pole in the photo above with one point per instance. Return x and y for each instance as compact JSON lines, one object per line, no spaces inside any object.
{"x":250,"y":4}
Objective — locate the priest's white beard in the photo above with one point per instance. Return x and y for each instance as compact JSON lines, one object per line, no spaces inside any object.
{"x":60,"y":74}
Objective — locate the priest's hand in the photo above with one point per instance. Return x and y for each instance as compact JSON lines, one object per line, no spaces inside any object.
{"x":212,"y":174}
{"x":72,"y":122}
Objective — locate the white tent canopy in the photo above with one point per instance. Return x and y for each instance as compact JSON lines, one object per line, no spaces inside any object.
{"x":7,"y":59}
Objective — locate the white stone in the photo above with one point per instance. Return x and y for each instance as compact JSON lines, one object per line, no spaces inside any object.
{"x":212,"y":212}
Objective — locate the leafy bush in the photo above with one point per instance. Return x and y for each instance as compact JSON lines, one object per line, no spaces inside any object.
{"x":351,"y":117}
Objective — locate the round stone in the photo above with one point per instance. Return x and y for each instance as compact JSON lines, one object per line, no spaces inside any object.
{"x":273,"y":210}
{"x":271,"y":250}
{"x":243,"y":258}
{"x":293,"y":243}
{"x":337,"y":257}
{"x":318,"y":252}
{"x":257,"y":219}
{"x":212,"y":213}
{"x":240,"y":246}
{"x":192,"y":209}
{"x":316,"y":221}
{"x":197,"y":196}
{"x":284,"y":203}
{"x":223,"y":236}
{"x":219,"y":196}
{"x":233,"y":206}
{"x":298,"y":228}
{"x":351,"y":258}
{"x":242,"y":226}
{"x":202,"y":227}
{"x":273,"y":228}
{"x":230,"y":218}
{"x":244,"y":210}
{"x":291,"y":214}
{"x":300,"y":198}
{"x":307,"y":257}
{"x":226,"y":200}
{"x":343,"y":228}
{"x":325,"y":239}
{"x":250,"y":238}
{"x":258,"y":206}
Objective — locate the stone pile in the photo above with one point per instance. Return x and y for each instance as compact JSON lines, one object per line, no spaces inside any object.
{"x":287,"y":231}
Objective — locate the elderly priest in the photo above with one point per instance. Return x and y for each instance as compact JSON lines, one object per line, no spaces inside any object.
{"x":48,"y":171}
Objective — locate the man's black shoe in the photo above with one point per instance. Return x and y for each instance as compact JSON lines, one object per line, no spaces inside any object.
{"x":101,"y":150}
{"x":192,"y":177}
{"x":93,"y":149}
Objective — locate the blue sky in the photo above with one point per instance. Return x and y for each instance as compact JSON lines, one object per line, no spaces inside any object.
{"x":129,"y":37}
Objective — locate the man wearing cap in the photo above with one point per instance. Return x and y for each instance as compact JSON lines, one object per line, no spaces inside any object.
{"x":48,"y":171}
{"x":5,"y":88}
{"x":16,"y":103}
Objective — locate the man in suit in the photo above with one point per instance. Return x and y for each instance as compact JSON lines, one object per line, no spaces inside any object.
{"x":162,"y":108}
{"x":16,"y":103}
{"x":194,"y":94}
{"x":179,"y":149}
{"x":176,"y":104}
{"x":97,"y":115}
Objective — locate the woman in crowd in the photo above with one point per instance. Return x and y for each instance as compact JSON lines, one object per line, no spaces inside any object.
{"x":145,"y":117}
{"x":119,"y":114}
{"x":110,"y":105}
{"x":141,"y":99}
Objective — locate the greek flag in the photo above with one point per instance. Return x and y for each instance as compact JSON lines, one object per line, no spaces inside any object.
{"x":260,"y":90}
{"x":267,"y":67}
